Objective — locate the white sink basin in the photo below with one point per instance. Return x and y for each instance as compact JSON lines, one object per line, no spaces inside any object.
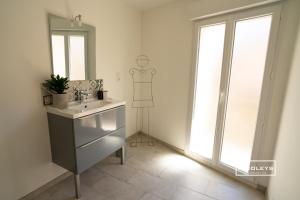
{"x":76,"y":110}
{"x":88,"y":106}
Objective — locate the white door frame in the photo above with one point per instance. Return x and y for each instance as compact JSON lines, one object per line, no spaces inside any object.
{"x":267,"y":86}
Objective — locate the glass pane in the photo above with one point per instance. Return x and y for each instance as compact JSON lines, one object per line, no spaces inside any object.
{"x":247,"y":70}
{"x":58,"y":55}
{"x":77,"y":57}
{"x":210,"y":57}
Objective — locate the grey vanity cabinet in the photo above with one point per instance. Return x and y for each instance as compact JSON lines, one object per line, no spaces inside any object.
{"x":77,"y":144}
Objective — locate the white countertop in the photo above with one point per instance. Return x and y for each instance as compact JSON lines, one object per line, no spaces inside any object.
{"x":77,"y":110}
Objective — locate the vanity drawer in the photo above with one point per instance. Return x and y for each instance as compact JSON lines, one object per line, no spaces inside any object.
{"x":97,"y":125}
{"x":91,"y":153}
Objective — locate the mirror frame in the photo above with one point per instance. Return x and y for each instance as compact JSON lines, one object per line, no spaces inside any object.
{"x":58,"y":23}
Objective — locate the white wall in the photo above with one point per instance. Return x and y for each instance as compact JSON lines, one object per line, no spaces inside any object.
{"x":167,"y":40}
{"x":25,"y":159}
{"x":167,"y":35}
{"x":286,"y":184}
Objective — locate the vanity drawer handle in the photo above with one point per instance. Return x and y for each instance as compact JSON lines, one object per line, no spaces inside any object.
{"x":96,"y":140}
{"x":92,"y":142}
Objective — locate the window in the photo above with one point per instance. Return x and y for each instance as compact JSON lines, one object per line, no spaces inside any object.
{"x":69,"y":50}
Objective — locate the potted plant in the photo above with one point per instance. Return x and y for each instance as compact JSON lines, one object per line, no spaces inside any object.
{"x":57,"y":86}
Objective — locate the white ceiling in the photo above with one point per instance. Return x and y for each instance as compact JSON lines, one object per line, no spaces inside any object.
{"x":146,"y":4}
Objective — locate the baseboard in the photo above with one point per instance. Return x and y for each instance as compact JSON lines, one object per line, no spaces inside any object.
{"x":262,"y":188}
{"x":47,"y":186}
{"x":156,"y":140}
{"x":178,"y":150}
{"x":132,"y":136}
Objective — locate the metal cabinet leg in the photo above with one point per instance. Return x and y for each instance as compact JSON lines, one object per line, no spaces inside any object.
{"x":77,"y":186}
{"x":123,"y":155}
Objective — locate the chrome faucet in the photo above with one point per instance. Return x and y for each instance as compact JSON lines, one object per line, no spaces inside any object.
{"x":81,"y":95}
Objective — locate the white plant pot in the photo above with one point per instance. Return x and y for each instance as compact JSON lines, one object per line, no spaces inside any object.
{"x":60,"y":100}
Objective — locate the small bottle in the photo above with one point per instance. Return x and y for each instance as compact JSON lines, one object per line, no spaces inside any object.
{"x":105,"y":96}
{"x":100,"y":95}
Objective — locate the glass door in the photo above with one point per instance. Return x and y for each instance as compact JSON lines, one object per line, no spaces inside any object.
{"x":209,"y":67}
{"x":250,"y":44}
{"x":233,"y":64}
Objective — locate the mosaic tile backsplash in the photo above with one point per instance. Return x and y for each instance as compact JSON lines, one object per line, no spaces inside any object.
{"x":92,"y":86}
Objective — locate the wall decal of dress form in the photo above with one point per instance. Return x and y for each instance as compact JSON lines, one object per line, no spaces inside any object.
{"x":142,"y":99}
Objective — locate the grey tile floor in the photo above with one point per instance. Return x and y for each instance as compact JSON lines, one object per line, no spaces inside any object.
{"x":152,"y":173}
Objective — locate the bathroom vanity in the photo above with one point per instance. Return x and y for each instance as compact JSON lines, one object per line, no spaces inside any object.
{"x":83,"y":134}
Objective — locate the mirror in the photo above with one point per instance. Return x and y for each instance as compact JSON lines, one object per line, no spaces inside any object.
{"x":72,"y":48}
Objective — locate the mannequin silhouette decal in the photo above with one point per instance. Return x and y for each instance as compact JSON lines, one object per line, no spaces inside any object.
{"x":142,"y":100}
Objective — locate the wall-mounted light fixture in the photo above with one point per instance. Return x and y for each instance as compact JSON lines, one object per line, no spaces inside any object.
{"x":76,"y":21}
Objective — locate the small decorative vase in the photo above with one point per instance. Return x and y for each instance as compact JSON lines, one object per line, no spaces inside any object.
{"x":60,"y":100}
{"x":100,"y":95}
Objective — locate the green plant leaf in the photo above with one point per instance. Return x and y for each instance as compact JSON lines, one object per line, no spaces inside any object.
{"x":57,"y":84}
